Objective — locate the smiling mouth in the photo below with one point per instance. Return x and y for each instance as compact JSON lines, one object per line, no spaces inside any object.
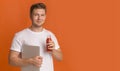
{"x":39,"y":21}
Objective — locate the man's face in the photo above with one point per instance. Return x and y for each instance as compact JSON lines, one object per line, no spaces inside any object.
{"x":38,"y":17}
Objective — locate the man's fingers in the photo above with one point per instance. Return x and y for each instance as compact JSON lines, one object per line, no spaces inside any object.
{"x":40,"y":57}
{"x":37,"y":61}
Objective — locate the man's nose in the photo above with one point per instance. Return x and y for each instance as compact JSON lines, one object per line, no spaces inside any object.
{"x":39,"y":17}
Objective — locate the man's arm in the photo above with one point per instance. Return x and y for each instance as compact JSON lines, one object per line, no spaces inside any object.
{"x":16,"y":60}
{"x":57,"y":53}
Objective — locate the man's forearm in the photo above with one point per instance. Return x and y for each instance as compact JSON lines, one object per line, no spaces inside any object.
{"x":57,"y":54}
{"x":19,"y":62}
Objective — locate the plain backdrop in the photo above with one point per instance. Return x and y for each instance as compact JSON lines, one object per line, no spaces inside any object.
{"x":88,"y":32}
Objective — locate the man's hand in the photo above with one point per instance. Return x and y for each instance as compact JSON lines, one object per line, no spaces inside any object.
{"x":36,"y":61}
{"x":16,"y":60}
{"x":51,"y":45}
{"x":55,"y":52}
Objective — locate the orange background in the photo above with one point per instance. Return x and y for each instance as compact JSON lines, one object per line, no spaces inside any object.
{"x":87,"y":30}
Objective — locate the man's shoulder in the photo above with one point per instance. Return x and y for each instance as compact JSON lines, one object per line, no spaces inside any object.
{"x":47,"y":31}
{"x":21,"y":33}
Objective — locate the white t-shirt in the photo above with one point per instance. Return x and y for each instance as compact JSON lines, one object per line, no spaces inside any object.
{"x":29,"y":37}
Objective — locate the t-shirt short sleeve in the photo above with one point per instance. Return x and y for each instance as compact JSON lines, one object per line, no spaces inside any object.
{"x":16,"y":44}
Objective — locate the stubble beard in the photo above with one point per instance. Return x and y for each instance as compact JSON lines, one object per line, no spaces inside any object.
{"x":38,"y":25}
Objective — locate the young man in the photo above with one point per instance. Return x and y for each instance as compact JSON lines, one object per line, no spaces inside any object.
{"x":35,"y":35}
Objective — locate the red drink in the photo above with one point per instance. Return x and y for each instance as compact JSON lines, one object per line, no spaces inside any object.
{"x":47,"y":41}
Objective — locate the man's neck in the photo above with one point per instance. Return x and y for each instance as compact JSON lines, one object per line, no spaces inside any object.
{"x":36,"y":29}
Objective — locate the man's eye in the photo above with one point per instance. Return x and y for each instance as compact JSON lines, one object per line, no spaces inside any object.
{"x":35,"y":14}
{"x":43,"y":15}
